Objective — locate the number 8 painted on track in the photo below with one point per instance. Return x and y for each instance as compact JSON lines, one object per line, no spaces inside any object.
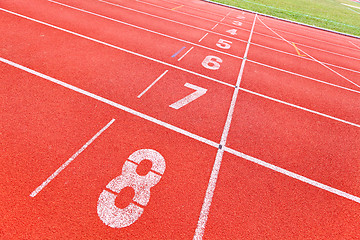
{"x":116,"y":217}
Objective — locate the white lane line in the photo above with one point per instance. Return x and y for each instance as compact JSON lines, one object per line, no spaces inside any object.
{"x":152,"y":84}
{"x":62,"y":167}
{"x":169,"y":20}
{"x":199,"y":232}
{"x":185,"y":54}
{"x":203,"y":37}
{"x":153,"y":120}
{"x":141,"y":28}
{"x":293,"y":175}
{"x":354,"y":44}
{"x":306,"y":77}
{"x":301,"y":108}
{"x":116,"y":47}
{"x":321,"y":63}
{"x":350,"y":5}
{"x":111,"y":103}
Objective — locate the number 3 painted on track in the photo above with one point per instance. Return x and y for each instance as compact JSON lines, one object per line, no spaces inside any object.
{"x":116,"y":217}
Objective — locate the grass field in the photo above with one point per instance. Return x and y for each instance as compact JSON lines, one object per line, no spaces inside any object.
{"x":329,"y":14}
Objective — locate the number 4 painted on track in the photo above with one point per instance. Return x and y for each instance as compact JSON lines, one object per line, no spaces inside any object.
{"x":199,"y":91}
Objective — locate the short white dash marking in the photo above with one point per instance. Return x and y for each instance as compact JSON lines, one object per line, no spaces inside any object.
{"x":203,"y":37}
{"x":47,"y":181}
{"x":354,"y":44}
{"x":214,"y":26}
{"x":152,"y":84}
{"x":185,"y":54}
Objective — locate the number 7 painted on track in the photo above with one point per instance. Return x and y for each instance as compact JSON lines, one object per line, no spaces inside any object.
{"x":199,"y":91}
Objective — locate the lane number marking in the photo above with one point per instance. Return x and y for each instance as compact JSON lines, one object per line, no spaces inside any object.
{"x":237,"y":23}
{"x":115,"y":217}
{"x":232,"y":31}
{"x":199,"y":91}
{"x":224,"y":44}
{"x":212,"y":62}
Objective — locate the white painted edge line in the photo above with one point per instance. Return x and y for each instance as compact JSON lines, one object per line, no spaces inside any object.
{"x":111,"y":103}
{"x":301,"y":108}
{"x":354,"y":44}
{"x":185,"y":54}
{"x":321,"y":63}
{"x":152,"y":84}
{"x":200,"y":229}
{"x":350,"y":5}
{"x":293,"y":175}
{"x":62,"y":167}
{"x":203,"y":37}
{"x":141,"y":28}
{"x":169,"y":20}
{"x":116,"y":47}
{"x":306,"y":77}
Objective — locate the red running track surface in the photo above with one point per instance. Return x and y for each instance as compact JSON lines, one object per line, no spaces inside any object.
{"x":168,"y":119}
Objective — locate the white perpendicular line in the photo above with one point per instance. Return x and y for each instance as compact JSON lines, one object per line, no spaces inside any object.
{"x":200,"y":229}
{"x":301,"y":108}
{"x":141,"y":28}
{"x":321,"y":63}
{"x":116,"y":47}
{"x":293,"y":175}
{"x":111,"y":103}
{"x":152,"y":84}
{"x":62,"y":167}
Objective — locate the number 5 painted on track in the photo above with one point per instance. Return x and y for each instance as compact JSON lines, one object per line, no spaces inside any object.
{"x":199,"y":91}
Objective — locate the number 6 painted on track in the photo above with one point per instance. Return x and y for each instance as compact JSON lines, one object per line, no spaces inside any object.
{"x":116,"y":217}
{"x":212,"y":62}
